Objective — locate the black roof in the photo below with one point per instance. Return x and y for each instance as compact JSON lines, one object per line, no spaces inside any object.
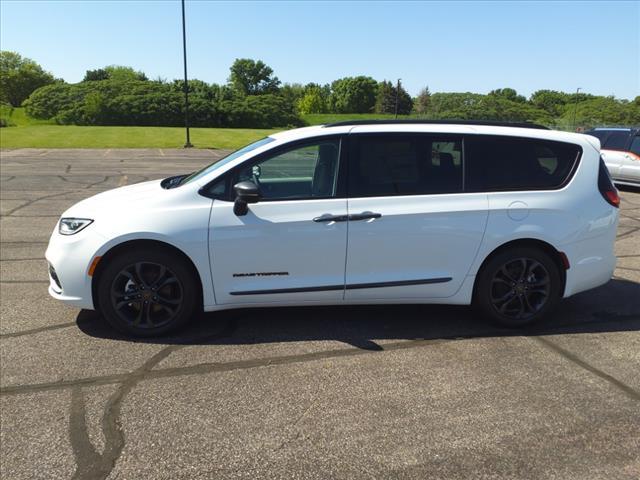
{"x":436,"y":122}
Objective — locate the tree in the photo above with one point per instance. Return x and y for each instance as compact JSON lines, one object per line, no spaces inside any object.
{"x":19,"y":77}
{"x":551,"y":101}
{"x":508,"y":94}
{"x":474,"y":106}
{"x":114,"y":72}
{"x":353,"y":95}
{"x":293,"y":92}
{"x":386,"y":99}
{"x":599,"y":111}
{"x":121,"y":73}
{"x":250,"y":77}
{"x":96,"y":75}
{"x":423,"y":101}
{"x":313,"y":101}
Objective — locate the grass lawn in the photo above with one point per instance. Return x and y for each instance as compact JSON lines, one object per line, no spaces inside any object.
{"x":70,"y":136}
{"x":31,"y":133}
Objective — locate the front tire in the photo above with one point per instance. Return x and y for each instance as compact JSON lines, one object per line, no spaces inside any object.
{"x":147,"y":292}
{"x":518,"y":286}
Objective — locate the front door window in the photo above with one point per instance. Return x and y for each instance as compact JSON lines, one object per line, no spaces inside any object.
{"x":304,"y":172}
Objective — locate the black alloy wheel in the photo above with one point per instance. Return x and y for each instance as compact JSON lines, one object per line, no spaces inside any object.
{"x":146,"y":295}
{"x":148,"y":292}
{"x":518,"y":286}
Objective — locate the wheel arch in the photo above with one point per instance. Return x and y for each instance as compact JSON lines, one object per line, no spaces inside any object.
{"x":558,"y":257}
{"x":114,"y":250}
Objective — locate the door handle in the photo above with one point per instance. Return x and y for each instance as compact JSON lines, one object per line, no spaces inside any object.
{"x":331,"y":218}
{"x":364,"y":216}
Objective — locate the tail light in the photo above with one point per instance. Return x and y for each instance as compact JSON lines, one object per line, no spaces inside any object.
{"x":605,"y":185}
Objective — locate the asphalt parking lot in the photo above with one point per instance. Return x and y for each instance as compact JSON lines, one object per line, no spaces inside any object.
{"x":359,"y":392}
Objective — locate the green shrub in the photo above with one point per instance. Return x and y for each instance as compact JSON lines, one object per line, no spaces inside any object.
{"x":144,"y":103}
{"x":259,"y":111}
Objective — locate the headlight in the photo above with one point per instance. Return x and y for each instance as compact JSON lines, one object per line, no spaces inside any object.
{"x":69,"y":226}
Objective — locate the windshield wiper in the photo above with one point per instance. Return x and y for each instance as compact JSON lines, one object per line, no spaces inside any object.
{"x":173,"y":182}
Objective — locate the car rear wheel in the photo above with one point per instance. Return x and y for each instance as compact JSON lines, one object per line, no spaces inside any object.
{"x":147,"y":292}
{"x":518,"y":286}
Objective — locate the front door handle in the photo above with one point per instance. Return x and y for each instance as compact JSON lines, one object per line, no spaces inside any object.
{"x":364,"y":216}
{"x":331,"y":218}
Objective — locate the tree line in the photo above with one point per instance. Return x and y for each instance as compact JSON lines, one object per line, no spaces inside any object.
{"x":254,"y":97}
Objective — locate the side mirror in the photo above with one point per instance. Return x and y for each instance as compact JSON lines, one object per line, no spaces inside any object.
{"x":246,"y":192}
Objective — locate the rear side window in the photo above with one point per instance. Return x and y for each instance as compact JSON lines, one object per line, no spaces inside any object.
{"x":386,"y":165}
{"x":616,"y":141}
{"x":497,"y":163}
{"x":635,"y":145}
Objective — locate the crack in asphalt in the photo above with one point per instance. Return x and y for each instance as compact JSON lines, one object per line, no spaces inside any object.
{"x":33,"y":331}
{"x":30,"y":216}
{"x":89,"y":463}
{"x":88,"y":460}
{"x":211,"y":367}
{"x":360,"y":348}
{"x":45,"y":197}
{"x":24,"y":281}
{"x":633,"y":230}
{"x":23,"y":242}
{"x":105,"y":179}
{"x":295,"y":423}
{"x":31,"y":202}
{"x":20,"y":259}
{"x":630,"y":217}
{"x":629,"y":268}
{"x":623,"y":387}
{"x":85,"y":184}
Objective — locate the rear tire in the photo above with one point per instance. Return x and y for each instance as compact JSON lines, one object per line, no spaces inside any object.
{"x":518,"y":287}
{"x":147,"y":292}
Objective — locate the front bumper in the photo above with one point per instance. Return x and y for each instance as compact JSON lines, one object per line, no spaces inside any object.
{"x":69,"y":258}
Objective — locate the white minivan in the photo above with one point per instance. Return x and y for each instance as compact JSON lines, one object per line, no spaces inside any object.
{"x":620,"y":151}
{"x":508,"y":218}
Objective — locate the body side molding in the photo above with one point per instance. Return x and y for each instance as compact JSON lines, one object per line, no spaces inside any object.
{"x":353,"y":286}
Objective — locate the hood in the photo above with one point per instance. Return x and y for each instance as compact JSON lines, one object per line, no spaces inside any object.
{"x":115,"y":199}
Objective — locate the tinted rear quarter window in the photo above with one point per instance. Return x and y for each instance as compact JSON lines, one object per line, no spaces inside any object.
{"x":495,"y":163}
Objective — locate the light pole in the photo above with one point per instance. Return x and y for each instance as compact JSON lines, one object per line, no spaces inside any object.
{"x":186,"y":85}
{"x":575,"y":108}
{"x":397,"y":95}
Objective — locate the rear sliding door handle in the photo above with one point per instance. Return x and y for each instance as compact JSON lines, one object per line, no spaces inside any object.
{"x":364,"y":216}
{"x":331,"y":218}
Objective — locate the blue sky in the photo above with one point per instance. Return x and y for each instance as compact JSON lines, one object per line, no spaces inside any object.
{"x":449,"y":46}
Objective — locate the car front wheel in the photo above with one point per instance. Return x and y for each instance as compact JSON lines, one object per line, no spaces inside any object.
{"x":147,"y":292}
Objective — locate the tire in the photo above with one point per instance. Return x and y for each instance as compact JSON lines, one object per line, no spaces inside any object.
{"x":148,"y":292}
{"x":518,"y":287}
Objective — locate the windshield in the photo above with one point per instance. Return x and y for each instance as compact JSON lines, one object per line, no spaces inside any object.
{"x":229,"y":158}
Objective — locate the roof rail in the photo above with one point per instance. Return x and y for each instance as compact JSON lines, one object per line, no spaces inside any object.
{"x":347,"y":123}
